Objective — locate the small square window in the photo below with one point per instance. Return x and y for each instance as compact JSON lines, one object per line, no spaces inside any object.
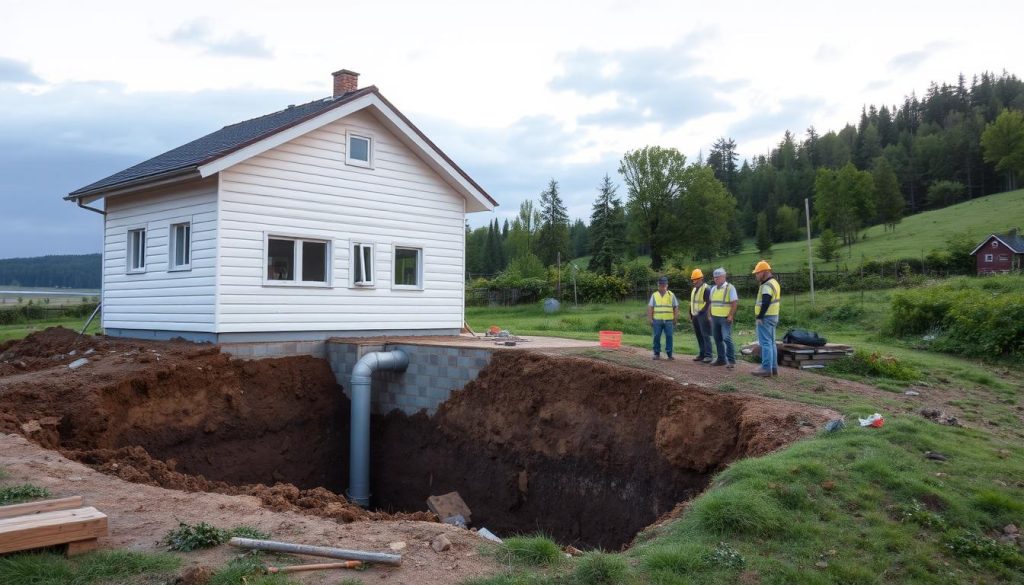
{"x":137,"y":250}
{"x":181,"y":246}
{"x":988,"y":257}
{"x":408,"y":267}
{"x":359,"y":151}
{"x":362,"y":264}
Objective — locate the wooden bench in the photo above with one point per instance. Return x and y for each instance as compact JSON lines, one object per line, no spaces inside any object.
{"x":51,"y":523}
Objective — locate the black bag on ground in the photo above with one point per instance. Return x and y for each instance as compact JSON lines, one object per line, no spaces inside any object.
{"x":804,"y":337}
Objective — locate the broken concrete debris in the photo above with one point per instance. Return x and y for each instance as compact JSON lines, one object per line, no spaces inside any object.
{"x":489,"y":535}
{"x":449,"y":505}
{"x":78,"y":363}
{"x":456,"y":520}
{"x":440,"y":543}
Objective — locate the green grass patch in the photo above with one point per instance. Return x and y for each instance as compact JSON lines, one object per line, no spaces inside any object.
{"x":15,"y":494}
{"x":247,"y":570}
{"x":110,"y":566}
{"x":535,"y":550}
{"x":597,"y":568}
{"x":188,"y":537}
{"x":22,"y":330}
{"x":863,"y":363}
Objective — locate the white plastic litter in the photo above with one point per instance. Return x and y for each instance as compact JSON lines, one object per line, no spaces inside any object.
{"x":488,"y":535}
{"x":78,"y":363}
{"x":875,"y":420}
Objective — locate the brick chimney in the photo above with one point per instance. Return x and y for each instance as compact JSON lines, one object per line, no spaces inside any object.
{"x":345,"y":81}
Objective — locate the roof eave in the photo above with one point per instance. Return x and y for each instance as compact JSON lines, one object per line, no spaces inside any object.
{"x":157,"y":180}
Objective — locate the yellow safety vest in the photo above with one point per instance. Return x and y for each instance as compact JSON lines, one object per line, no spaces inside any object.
{"x":720,"y":303}
{"x":776,"y":291}
{"x":663,"y":305}
{"x":697,"y":298}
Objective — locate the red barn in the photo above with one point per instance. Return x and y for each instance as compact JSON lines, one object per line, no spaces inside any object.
{"x":1000,"y":253}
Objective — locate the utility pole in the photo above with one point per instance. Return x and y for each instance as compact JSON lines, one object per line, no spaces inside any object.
{"x":810,"y":255}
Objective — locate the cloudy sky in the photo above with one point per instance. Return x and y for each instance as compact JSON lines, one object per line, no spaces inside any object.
{"x":516,"y":93}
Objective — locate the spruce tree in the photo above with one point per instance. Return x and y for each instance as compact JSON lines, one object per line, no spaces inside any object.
{"x":764,"y":240}
{"x":607,"y":229}
{"x":553,"y":239}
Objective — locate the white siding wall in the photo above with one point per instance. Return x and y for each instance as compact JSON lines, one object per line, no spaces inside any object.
{"x":304,"y":188}
{"x":159,"y":298}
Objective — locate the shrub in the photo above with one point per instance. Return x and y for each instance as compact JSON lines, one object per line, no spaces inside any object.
{"x":875,"y":365}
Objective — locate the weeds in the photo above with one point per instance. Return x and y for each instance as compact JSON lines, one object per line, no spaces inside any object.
{"x":598,"y":568}
{"x":915,"y":512}
{"x":973,"y":546}
{"x":247,"y":570}
{"x":874,"y":364}
{"x":189,"y":537}
{"x":111,"y":566}
{"x":15,"y":494}
{"x":529,"y":550}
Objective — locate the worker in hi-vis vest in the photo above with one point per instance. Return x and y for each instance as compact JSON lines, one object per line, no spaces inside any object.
{"x":766,"y":312}
{"x":663,"y":311}
{"x":724,"y":302}
{"x":700,"y":305}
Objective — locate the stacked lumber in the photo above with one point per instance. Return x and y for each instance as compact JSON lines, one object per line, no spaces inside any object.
{"x":62,"y":521}
{"x":805,"y":357}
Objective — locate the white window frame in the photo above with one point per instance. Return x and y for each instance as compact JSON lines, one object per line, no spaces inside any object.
{"x":353,"y":254}
{"x":988,"y":257}
{"x":368,"y":164}
{"x":419,"y":266}
{"x":297,"y":260}
{"x":131,"y":256}
{"x":172,"y":246}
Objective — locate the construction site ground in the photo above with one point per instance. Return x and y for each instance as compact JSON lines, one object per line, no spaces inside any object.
{"x":234,"y":442}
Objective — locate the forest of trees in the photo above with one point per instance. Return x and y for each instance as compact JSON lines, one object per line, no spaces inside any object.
{"x":957,"y":142}
{"x":71,"y":271}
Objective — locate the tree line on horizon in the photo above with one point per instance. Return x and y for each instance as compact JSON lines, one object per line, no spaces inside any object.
{"x":76,"y":271}
{"x":958,"y":142}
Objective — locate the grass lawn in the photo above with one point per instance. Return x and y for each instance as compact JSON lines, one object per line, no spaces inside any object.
{"x":861,"y":505}
{"x":19,"y":330}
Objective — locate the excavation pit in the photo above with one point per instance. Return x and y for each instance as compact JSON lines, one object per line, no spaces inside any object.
{"x":585,"y":452}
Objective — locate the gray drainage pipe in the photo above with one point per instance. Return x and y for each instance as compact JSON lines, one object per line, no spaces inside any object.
{"x":359,"y":444}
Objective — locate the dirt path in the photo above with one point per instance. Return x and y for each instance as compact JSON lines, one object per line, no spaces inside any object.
{"x":140,"y":515}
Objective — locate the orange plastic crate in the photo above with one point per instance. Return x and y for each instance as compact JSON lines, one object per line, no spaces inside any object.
{"x":610,"y":339}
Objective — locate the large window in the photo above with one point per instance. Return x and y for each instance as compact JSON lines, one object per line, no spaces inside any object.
{"x":408,"y":267}
{"x":137,"y":250}
{"x":362,"y":264}
{"x":299,"y":261}
{"x":359,"y":150}
{"x":181,"y":246}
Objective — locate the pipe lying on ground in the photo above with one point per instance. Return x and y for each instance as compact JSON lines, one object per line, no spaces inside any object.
{"x":359,"y":445}
{"x":317,"y":551}
{"x":316,"y":567}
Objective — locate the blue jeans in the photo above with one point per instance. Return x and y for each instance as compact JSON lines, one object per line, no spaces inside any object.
{"x":721,"y":328}
{"x":659,"y":326}
{"x":766,"y":338}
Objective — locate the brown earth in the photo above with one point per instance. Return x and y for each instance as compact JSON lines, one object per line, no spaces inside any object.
{"x":588,"y":452}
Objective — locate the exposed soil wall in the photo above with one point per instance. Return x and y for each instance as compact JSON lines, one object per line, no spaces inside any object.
{"x":587,"y":452}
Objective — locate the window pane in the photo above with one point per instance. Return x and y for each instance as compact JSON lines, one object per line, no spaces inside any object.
{"x":188,"y":244}
{"x":280,"y":260}
{"x":357,"y":263}
{"x":368,"y":263}
{"x":142,"y":248}
{"x":359,"y":148}
{"x":180,"y":238}
{"x":314,"y":261}
{"x":407,"y":266}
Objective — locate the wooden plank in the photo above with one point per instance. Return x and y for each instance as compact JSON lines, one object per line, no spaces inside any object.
{"x":51,"y":528}
{"x":82,"y":546}
{"x":38,"y":507}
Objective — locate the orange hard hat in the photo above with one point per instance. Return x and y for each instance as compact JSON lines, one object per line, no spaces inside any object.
{"x":696,"y":274}
{"x":761,"y":267}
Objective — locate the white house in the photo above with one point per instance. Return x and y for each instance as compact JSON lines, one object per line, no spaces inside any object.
{"x":332,"y":218}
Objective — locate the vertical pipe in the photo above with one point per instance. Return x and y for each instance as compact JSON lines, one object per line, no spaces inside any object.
{"x":359,"y":438}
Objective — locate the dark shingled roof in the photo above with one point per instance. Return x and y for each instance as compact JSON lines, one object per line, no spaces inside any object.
{"x":1014,"y":241}
{"x":219,"y":143}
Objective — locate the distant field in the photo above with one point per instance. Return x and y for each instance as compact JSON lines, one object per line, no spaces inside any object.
{"x":914,"y":237}
{"x":11,"y":295}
